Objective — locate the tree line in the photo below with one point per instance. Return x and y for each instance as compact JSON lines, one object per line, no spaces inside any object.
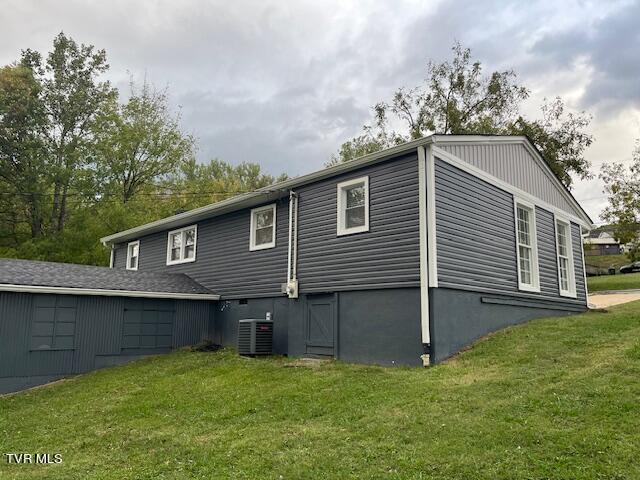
{"x":78,"y":161}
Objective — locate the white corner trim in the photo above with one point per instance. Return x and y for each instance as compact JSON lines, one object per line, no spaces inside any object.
{"x":182,"y":245}
{"x":424,"y":252}
{"x":431,"y":216}
{"x":6,"y":287}
{"x":535,"y":271}
{"x":290,"y":245}
{"x":572,"y":292}
{"x":112,"y":255}
{"x":341,"y":206}
{"x":507,"y":187}
{"x":129,"y":245}
{"x":252,"y":232}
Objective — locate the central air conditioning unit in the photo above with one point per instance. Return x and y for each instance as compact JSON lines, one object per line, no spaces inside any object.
{"x":255,"y":337}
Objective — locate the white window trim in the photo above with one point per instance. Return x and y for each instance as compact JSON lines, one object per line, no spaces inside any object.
{"x":182,"y":245}
{"x":571,"y":267}
{"x":252,"y":235}
{"x":342,"y":186}
{"x":535,"y":273}
{"x":129,"y":245}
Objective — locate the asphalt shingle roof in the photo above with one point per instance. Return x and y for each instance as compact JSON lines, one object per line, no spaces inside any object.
{"x":69,"y":275}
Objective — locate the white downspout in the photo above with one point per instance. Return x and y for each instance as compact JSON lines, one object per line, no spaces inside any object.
{"x":111,"y":255}
{"x":292,"y":260}
{"x":424,"y":256}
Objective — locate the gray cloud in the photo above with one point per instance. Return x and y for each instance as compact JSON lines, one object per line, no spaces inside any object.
{"x":611,"y":49}
{"x":283,"y":84}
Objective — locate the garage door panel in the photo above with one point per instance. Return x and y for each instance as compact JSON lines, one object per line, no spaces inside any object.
{"x":148,"y":324}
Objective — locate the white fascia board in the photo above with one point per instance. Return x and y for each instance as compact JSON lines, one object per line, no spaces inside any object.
{"x":262,"y":195}
{"x":7,"y":287}
{"x":281,"y":189}
{"x":507,"y":187}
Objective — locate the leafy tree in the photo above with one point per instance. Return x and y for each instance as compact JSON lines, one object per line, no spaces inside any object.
{"x":75,"y":165}
{"x":140,"y":142}
{"x":560,"y":136}
{"x":74,"y":99}
{"x":22,"y":150}
{"x":623,"y":187}
{"x":457,"y":98}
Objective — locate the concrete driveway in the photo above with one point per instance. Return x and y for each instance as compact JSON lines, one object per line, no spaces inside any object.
{"x":608,"y":299}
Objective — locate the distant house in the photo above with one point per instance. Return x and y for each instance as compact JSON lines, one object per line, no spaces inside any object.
{"x":403,"y":256}
{"x":602,"y":243}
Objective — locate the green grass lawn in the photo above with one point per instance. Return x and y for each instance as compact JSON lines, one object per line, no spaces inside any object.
{"x":619,"y":281}
{"x":557,"y":398}
{"x":606,"y":261}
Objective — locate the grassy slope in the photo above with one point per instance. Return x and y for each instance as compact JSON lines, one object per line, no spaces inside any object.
{"x":606,"y":261}
{"x":613,"y":282}
{"x":557,"y":398}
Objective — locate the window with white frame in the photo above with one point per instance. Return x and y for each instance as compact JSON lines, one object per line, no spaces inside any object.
{"x":181,"y":245}
{"x":353,"y":206}
{"x":564,"y":248}
{"x":263,"y":228}
{"x":133,"y":252}
{"x":528,"y":277}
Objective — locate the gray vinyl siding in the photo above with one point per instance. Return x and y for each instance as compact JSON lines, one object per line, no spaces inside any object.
{"x":387,"y":256}
{"x":223,"y":262}
{"x":513,"y":164}
{"x":578,"y":261}
{"x":98,"y":332}
{"x":547,"y":256}
{"x":476,"y":243}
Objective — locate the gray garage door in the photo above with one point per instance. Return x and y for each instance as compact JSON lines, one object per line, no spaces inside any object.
{"x":148,"y":324}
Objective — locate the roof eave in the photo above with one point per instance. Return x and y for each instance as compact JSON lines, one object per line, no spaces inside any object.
{"x":261,"y":195}
{"x":7,"y":287}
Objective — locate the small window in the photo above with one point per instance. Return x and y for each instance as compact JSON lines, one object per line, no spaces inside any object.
{"x":527,"y":253}
{"x":53,"y":324}
{"x":133,"y":251}
{"x":353,"y":206}
{"x":564,"y":247}
{"x":181,"y":247}
{"x":263,"y":228}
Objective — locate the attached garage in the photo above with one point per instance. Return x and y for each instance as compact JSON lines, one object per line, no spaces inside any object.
{"x":58,"y":320}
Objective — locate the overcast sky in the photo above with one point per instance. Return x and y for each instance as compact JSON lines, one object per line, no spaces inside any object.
{"x":283,"y":84}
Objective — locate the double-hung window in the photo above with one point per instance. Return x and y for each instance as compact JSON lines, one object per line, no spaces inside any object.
{"x":133,"y":252}
{"x":527,"y":248}
{"x":564,"y":248}
{"x":263,"y":228}
{"x":181,"y":246}
{"x":353,"y":206}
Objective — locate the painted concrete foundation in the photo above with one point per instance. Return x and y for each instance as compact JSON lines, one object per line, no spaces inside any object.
{"x":372,"y":326}
{"x":458,"y":317}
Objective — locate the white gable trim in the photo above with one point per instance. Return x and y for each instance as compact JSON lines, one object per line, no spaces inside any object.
{"x":526,"y":143}
{"x":507,"y":187}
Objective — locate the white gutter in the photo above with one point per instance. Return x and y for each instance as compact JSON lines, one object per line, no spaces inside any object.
{"x":264,"y":194}
{"x":280,"y":189}
{"x":7,"y":287}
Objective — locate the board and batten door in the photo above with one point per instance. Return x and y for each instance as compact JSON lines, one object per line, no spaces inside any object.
{"x":321,"y":324}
